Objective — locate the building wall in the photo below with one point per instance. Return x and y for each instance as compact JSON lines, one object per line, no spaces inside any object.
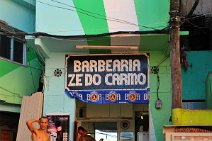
{"x":160,"y":117}
{"x":17,"y":80}
{"x":79,"y":17}
{"x":194,"y":79}
{"x":18,"y":14}
{"x":55,"y":98}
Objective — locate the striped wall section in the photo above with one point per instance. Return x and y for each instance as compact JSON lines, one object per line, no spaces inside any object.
{"x":87,"y":17}
{"x":92,"y":17}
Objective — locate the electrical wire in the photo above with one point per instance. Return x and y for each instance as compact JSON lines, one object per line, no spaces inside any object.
{"x":92,"y":12}
{"x":193,"y":8}
{"x":87,"y":14}
{"x":108,"y":18}
{"x":37,"y":34}
{"x":163,"y":30}
{"x":196,"y":26}
{"x":197,"y":16}
{"x":187,"y":19}
{"x":157,"y":72}
{"x":123,"y":27}
{"x":158,"y":86}
{"x":164,"y":59}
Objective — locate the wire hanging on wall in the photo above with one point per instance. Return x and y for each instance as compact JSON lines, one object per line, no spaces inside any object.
{"x":158,"y":103}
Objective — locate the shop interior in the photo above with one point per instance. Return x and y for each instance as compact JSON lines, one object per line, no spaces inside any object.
{"x":114,"y":122}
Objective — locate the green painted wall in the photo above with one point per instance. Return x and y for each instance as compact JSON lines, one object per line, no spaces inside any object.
{"x":160,"y":117}
{"x":17,"y":80}
{"x":152,"y":14}
{"x":96,"y":6}
{"x":194,"y":79}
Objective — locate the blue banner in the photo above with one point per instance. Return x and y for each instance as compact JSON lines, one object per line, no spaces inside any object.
{"x":108,"y":78}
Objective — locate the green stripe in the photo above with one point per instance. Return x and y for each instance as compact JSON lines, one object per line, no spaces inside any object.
{"x":7,"y":67}
{"x":152,"y":13}
{"x":95,"y":22}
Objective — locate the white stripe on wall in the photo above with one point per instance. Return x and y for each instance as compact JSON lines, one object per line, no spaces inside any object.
{"x":122,"y":10}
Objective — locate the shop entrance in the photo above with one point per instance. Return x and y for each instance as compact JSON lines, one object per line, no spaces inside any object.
{"x":114,"y":122}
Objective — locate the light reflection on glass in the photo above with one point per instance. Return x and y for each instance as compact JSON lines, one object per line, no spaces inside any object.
{"x":105,"y":135}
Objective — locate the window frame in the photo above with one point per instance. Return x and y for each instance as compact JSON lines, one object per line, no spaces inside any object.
{"x":24,"y":53}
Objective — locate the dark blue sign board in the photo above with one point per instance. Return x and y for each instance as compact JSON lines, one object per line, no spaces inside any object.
{"x":108,"y":78}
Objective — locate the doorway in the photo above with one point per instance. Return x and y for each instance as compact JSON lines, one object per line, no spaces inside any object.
{"x":113,"y":122}
{"x":141,"y":124}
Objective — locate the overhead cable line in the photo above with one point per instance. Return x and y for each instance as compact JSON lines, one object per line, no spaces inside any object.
{"x":37,"y":34}
{"x":93,"y":12}
{"x":197,"y":16}
{"x":102,"y":18}
{"x":193,"y":8}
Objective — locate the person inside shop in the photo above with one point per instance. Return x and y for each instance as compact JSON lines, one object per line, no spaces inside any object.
{"x":83,"y":135}
{"x":39,"y":134}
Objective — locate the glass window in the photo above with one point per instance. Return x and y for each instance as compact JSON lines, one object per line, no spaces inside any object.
{"x":18,"y":51}
{"x":106,"y":131}
{"x":101,"y":135}
{"x":126,"y":136}
{"x":12,"y":49}
{"x":5,"y":43}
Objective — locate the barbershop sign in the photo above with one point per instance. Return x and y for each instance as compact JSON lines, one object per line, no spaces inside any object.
{"x":108,"y":78}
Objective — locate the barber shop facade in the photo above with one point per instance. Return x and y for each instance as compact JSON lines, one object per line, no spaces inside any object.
{"x":95,"y":80}
{"x":105,"y":69}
